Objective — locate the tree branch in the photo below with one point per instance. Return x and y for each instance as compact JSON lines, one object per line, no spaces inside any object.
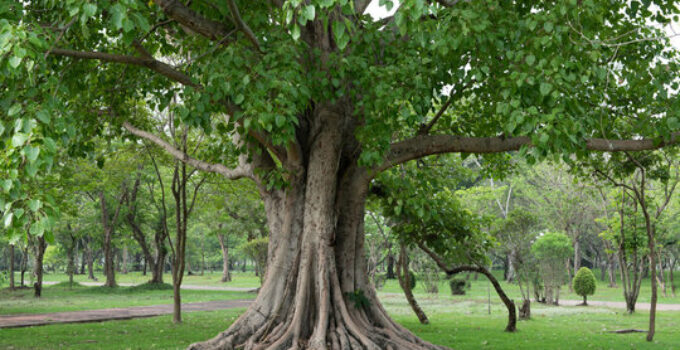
{"x":233,"y":174}
{"x":147,"y":62}
{"x":242,"y":24}
{"x":425,"y":145}
{"x":210,"y":29}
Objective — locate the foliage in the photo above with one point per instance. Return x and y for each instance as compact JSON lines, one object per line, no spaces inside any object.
{"x":457,"y":286}
{"x":552,"y":251}
{"x":359,"y":299}
{"x":584,"y":282}
{"x":257,"y":251}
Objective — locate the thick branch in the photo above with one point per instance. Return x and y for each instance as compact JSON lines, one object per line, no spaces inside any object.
{"x":237,"y":173}
{"x":148,"y":62}
{"x":510,"y":305}
{"x":210,"y":29}
{"x":424,"y":145}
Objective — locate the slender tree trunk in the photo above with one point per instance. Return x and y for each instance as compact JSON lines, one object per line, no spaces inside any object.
{"x":390,"y":265}
{"x":124,"y":268}
{"x":39,"y":249}
{"x":109,"y":267}
{"x":90,"y":261}
{"x":222,"y":238}
{"x":671,"y":272}
{"x":24,"y":264}
{"x":611,"y":271}
{"x":404,"y":276}
{"x":577,"y":255}
{"x":11,"y":267}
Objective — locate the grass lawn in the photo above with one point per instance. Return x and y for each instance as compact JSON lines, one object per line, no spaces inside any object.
{"x":210,"y":278}
{"x":480,"y":287}
{"x":459,"y":325}
{"x":62,"y":298}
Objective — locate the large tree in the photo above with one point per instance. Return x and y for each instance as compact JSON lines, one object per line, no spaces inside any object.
{"x":317,"y":97}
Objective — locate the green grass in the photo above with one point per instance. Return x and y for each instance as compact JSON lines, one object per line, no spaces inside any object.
{"x":209,"y":278}
{"x":459,"y":325}
{"x":63,"y":298}
{"x":480,"y":287}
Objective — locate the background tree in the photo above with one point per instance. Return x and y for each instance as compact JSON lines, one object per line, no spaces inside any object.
{"x":552,"y":251}
{"x":584,"y":283}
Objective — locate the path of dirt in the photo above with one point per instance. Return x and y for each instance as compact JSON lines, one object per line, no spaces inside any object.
{"x":27,"y":320}
{"x":622,"y":305}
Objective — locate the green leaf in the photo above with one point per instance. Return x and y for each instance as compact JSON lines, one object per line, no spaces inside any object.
{"x":545,"y":88}
{"x":38,"y":228}
{"x":8,"y":219}
{"x":238,"y":99}
{"x":18,"y":213}
{"x":16,"y":108}
{"x":531,"y":59}
{"x":31,"y":153}
{"x":548,"y":26}
{"x":43,"y":116}
{"x":309,"y":12}
{"x":295,"y":32}
{"x":14,"y":61}
{"x":19,"y":139}
{"x":34,"y":205}
{"x":89,"y":10}
{"x":117,"y":15}
{"x":7,"y":185}
{"x":280,"y":120}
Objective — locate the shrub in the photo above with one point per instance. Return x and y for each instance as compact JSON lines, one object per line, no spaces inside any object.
{"x":457,"y":286}
{"x":584,"y":283}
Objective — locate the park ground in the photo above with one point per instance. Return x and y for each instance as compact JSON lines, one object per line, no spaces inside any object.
{"x":459,"y":322}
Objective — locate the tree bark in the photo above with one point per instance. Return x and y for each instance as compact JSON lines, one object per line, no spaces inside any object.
{"x":390,"y":266}
{"x":316,"y":255}
{"x":11,"y":267}
{"x":509,"y":304}
{"x":24,"y":264}
{"x":404,"y":276}
{"x":39,"y":252}
{"x":90,"y":260}
{"x":577,"y":255}
{"x":108,"y":224}
{"x":222,"y":238}
{"x":124,"y":268}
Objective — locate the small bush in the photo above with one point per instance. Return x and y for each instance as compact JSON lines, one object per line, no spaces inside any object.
{"x":457,"y":286}
{"x":584,"y":283}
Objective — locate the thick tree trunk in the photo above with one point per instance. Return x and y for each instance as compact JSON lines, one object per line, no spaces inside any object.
{"x":316,"y":259}
{"x":222,"y":238}
{"x":11,"y":267}
{"x":39,"y":252}
{"x":404,"y":276}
